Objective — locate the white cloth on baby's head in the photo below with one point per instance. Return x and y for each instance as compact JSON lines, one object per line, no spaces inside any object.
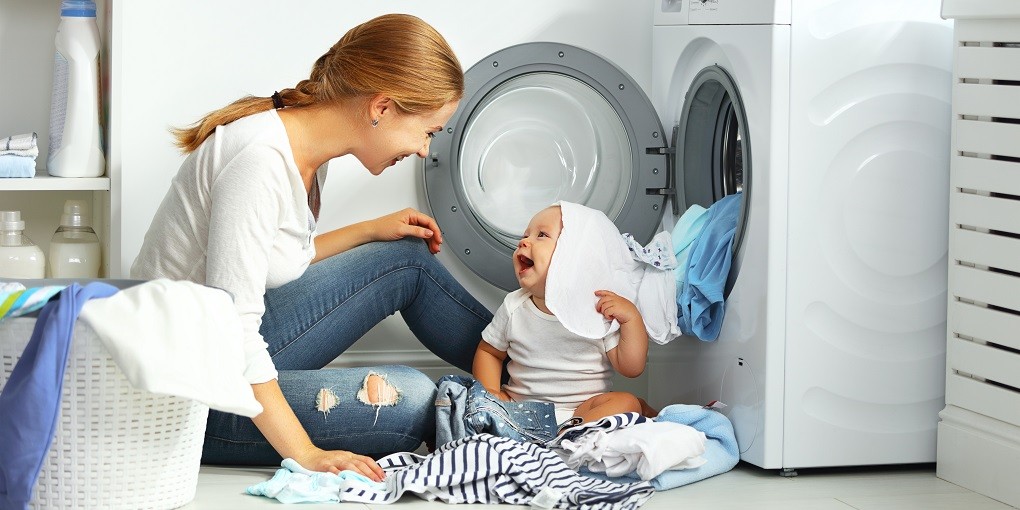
{"x":591,"y":255}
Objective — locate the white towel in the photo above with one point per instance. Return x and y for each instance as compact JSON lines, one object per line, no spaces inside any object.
{"x":591,"y":255}
{"x":647,"y":449}
{"x":26,"y":145}
{"x":177,"y":338}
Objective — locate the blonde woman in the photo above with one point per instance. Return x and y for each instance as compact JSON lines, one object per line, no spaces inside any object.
{"x":240,"y":215}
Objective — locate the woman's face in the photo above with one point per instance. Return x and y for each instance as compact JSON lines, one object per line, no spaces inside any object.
{"x":400,"y":135}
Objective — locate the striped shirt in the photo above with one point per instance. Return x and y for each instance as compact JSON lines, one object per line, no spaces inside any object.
{"x":489,"y":469}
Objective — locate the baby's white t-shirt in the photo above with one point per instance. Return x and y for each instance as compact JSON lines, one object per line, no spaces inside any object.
{"x":547,"y":362}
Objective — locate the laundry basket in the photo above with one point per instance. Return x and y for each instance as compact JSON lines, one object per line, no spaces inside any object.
{"x":115,"y":447}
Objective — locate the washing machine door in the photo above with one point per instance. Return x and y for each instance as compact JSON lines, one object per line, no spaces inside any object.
{"x":541,"y":122}
{"x":711,"y":152}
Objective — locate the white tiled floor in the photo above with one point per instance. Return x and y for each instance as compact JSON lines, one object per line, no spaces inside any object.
{"x":746,"y":487}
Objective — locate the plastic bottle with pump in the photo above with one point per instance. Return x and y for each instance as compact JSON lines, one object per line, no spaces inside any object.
{"x":19,"y":257}
{"x":75,"y":148}
{"x":74,"y":248}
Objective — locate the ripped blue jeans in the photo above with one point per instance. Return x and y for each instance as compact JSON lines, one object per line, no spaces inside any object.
{"x":465,"y":408}
{"x":310,"y":321}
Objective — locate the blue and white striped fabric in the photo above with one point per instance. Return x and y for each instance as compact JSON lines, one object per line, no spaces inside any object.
{"x":487,"y":469}
{"x":16,"y":300}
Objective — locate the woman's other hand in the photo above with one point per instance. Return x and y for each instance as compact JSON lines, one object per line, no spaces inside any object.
{"x":408,"y":222}
{"x":335,"y":461}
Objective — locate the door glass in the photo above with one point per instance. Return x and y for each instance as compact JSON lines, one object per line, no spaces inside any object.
{"x":539,"y":138}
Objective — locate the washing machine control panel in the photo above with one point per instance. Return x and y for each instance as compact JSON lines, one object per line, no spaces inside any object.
{"x":738,"y":12}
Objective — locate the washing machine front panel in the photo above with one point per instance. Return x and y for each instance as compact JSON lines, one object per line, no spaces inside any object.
{"x":707,"y":64}
{"x":541,"y":122}
{"x":869,"y":167}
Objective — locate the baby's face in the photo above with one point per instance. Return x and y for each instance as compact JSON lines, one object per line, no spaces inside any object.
{"x":535,"y":250}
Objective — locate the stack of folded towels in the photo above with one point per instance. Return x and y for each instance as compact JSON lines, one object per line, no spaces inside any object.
{"x":17,"y":155}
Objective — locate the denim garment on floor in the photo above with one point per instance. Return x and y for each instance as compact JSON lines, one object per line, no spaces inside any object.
{"x":464,"y":408}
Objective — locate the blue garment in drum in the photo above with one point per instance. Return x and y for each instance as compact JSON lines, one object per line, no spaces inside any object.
{"x":464,"y":408}
{"x":700,"y":305}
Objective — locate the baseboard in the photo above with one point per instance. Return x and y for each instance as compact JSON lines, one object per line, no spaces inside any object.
{"x":979,"y":453}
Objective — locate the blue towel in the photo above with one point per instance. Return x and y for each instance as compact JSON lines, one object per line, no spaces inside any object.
{"x":721,"y":452}
{"x":17,"y":166}
{"x":700,"y":300}
{"x":684,"y":233}
{"x":30,"y":401}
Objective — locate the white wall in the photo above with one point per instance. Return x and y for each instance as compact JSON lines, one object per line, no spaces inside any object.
{"x":175,"y":61}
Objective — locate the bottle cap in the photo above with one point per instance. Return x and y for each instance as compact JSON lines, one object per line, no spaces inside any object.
{"x":74,"y":214}
{"x":78,"y":8}
{"x":11,"y":220}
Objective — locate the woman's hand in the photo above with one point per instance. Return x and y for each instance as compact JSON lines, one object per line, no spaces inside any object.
{"x":335,"y":461}
{"x":408,"y":222}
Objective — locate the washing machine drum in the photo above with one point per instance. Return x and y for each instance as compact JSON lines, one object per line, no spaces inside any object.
{"x":538,"y":123}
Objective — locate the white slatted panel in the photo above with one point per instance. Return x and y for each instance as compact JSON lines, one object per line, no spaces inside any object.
{"x":996,"y":138}
{"x":985,"y":175}
{"x":987,"y":399}
{"x":986,"y":324}
{"x":987,"y":212}
{"x":984,"y":216}
{"x":988,"y":100}
{"x":983,"y":316}
{"x":988,"y":63}
{"x":987,"y":250}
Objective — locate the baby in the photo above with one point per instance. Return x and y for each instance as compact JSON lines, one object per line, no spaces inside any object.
{"x":549,"y":363}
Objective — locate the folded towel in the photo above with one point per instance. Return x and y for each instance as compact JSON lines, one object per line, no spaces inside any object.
{"x":591,"y":255}
{"x":20,"y":145}
{"x":700,"y":300}
{"x":17,"y":166}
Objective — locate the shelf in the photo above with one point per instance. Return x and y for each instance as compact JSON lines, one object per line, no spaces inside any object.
{"x":46,"y":182}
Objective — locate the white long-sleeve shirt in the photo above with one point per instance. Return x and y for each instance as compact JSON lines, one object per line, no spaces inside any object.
{"x":236,"y":217}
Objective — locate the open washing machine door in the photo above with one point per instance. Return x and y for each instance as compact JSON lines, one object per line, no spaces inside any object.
{"x":541,"y":122}
{"x":710,"y":152}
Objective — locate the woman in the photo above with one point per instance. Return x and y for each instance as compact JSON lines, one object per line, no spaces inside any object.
{"x":240,"y":216}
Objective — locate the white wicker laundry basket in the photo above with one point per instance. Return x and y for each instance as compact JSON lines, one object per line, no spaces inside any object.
{"x":115,"y":447}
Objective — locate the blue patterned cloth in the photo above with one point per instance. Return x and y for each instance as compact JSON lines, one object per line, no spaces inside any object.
{"x":464,"y":408}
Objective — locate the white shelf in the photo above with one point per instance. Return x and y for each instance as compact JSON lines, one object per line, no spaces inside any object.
{"x":46,"y":182}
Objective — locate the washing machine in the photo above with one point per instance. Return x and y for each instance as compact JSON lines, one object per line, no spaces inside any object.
{"x":831,"y":120}
{"x":832,"y":351}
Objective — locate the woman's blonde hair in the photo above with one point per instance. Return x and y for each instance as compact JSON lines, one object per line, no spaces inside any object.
{"x":397,"y":55}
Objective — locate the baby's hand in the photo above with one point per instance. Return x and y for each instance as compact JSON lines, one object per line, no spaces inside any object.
{"x":613,"y":306}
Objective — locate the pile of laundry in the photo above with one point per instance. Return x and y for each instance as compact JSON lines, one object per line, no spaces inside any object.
{"x":17,"y":155}
{"x":617,"y":462}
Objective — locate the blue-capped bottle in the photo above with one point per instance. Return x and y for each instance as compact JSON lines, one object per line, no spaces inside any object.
{"x":75,"y":148}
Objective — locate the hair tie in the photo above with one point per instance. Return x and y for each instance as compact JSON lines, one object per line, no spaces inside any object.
{"x":277,"y":100}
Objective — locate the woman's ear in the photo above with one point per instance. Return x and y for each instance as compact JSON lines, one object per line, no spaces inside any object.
{"x":378,"y":106}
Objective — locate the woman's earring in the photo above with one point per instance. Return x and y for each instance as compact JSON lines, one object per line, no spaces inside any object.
{"x":375,"y":122}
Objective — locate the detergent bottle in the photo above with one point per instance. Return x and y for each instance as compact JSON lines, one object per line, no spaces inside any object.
{"x":75,"y":148}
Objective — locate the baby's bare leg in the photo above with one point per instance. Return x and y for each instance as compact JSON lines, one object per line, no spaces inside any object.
{"x":647,"y":409}
{"x":607,"y":404}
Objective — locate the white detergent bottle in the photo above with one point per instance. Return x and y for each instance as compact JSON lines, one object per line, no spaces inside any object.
{"x":19,"y":257}
{"x":75,"y":148}
{"x":74,"y":249}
